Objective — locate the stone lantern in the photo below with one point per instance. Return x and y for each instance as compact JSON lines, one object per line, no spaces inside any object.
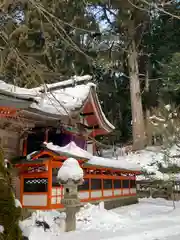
{"x":70,"y":175}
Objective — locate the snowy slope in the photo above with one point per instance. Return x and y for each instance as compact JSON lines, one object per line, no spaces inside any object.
{"x":151,"y":219}
{"x":150,"y":158}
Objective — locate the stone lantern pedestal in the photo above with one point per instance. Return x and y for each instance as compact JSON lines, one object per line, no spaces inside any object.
{"x":70,"y":175}
{"x":71,"y":203}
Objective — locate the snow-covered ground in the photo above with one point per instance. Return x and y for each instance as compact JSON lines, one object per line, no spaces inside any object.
{"x":150,"y":219}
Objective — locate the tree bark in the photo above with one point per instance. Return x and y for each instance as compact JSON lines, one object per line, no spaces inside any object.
{"x":147,"y":111}
{"x":136,"y":101}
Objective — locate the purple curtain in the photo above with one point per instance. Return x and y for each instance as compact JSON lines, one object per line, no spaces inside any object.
{"x":63,"y":139}
{"x":80,"y":142}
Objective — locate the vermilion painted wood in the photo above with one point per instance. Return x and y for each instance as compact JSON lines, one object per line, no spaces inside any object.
{"x":90,"y":172}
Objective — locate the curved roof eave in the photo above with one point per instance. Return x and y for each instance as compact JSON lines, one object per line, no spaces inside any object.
{"x":103,"y":121}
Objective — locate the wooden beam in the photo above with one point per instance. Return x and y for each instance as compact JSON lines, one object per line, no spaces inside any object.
{"x":93,"y":127}
{"x":66,"y":84}
{"x":87,"y":114}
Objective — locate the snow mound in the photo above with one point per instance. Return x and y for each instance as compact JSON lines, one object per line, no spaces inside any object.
{"x":70,"y":170}
{"x":54,"y":219}
{"x":97,"y":218}
{"x":90,"y":217}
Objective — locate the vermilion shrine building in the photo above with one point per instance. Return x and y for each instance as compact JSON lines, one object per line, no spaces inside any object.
{"x":69,"y":116}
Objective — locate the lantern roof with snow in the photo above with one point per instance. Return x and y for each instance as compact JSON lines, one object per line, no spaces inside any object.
{"x":70,"y":170}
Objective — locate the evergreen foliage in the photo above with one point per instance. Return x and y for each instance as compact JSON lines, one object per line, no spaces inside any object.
{"x":9,"y":213}
{"x":42,"y":41}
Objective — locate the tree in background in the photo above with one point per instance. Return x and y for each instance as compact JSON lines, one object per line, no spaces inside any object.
{"x":171,"y":85}
{"x":128,"y":21}
{"x":163,"y":47}
{"x":165,"y":122}
{"x":42,"y":41}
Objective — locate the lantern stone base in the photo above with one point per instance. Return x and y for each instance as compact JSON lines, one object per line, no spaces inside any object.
{"x":71,"y":218}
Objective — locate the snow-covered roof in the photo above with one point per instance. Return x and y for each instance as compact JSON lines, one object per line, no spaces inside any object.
{"x":59,"y":101}
{"x":111,"y":163}
{"x":70,"y":149}
{"x":70,"y":170}
{"x":62,"y":98}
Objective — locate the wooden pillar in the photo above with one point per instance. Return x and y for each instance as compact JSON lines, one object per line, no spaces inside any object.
{"x":21,"y":189}
{"x":102,"y":191}
{"x":113,"y":187}
{"x":46,"y":137}
{"x":93,"y":136}
{"x":49,"y":183}
{"x":89,"y":188}
{"x":25,"y":147}
{"x":121,"y":186}
{"x":102,"y":185}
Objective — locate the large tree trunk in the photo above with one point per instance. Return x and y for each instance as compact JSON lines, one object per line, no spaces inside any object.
{"x":136,"y":102}
{"x":147,"y":110}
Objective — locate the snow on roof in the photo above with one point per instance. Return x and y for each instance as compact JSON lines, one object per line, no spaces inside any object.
{"x":63,"y":101}
{"x":71,"y":149}
{"x":59,"y":101}
{"x":70,"y":170}
{"x":59,"y":98}
{"x":28,"y":157}
{"x":110,"y":163}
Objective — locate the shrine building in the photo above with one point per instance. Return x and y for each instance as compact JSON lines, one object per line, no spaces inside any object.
{"x":41,"y":127}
